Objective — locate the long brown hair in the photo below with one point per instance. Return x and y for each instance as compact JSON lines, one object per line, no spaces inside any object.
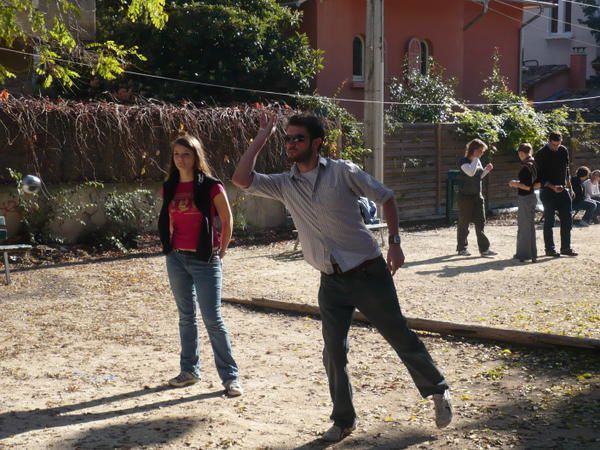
{"x":195,"y":145}
{"x":473,"y":145}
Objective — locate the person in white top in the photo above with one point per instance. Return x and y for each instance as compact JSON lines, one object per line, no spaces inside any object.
{"x":471,"y":207}
{"x":591,"y":188}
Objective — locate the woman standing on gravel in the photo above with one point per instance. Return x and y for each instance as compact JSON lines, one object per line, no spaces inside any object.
{"x":471,"y":206}
{"x":192,"y":199}
{"x":526,"y":246}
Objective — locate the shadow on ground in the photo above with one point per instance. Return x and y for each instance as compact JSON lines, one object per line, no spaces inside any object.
{"x":535,"y":421}
{"x":136,"y":434}
{"x":17,"y":422}
{"x":488,"y":263}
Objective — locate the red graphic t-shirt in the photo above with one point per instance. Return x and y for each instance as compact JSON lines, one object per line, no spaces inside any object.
{"x":186,"y":219}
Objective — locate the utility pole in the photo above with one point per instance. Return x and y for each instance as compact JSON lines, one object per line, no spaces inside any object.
{"x":374,"y":71}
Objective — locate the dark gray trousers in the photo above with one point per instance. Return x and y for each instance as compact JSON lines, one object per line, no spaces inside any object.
{"x":526,"y":245}
{"x":371,"y":290}
{"x":471,"y":208}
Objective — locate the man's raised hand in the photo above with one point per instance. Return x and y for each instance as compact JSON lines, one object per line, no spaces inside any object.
{"x":268,"y":123}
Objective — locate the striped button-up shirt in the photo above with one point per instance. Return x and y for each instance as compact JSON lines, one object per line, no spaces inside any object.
{"x":326,"y":214}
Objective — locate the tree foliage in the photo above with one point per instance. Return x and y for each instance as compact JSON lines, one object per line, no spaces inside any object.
{"x":509,"y":120}
{"x":423,"y":98}
{"x":53,"y":36}
{"x":253,"y":44}
{"x":592,"y":18}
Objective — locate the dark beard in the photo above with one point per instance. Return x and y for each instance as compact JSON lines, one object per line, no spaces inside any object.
{"x":301,"y":157}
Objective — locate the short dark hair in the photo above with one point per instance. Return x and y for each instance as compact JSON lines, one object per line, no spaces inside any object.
{"x":313,"y":125}
{"x":555,"y":136}
{"x":583,"y":171}
{"x":525,"y":147}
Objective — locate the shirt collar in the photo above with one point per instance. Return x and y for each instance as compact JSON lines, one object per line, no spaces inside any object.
{"x":294,"y":172}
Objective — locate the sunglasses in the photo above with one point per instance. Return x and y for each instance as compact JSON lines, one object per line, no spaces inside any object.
{"x":294,"y":138}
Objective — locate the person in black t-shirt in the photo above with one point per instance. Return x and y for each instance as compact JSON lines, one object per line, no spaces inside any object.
{"x":526,"y":245}
{"x":553,"y":174}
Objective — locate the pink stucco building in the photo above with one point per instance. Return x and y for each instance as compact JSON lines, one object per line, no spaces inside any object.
{"x":461,"y":35}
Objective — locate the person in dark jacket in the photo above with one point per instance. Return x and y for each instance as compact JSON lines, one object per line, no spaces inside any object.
{"x":552,"y":162}
{"x":579,"y":200}
{"x":471,"y":207}
{"x":192,"y":199}
{"x":526,"y":245}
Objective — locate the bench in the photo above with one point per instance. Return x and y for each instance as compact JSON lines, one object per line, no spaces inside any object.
{"x":9,"y":248}
{"x":373,"y":227}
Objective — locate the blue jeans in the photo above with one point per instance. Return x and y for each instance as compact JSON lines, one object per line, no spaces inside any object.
{"x":197,"y":284}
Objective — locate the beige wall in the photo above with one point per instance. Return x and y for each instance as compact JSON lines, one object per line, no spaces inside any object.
{"x":539,"y":44}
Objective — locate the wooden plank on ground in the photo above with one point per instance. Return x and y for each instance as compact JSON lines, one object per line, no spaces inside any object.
{"x":527,"y":338}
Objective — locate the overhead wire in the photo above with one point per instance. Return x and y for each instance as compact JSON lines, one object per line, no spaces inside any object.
{"x":583,"y":27}
{"x":336,"y":99}
{"x":589,"y":44}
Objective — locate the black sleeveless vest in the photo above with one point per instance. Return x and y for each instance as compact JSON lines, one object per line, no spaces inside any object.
{"x":468,"y":185}
{"x":202,"y":187}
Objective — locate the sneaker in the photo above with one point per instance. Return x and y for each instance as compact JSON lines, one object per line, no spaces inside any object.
{"x":443,"y":409}
{"x":464,"y":252}
{"x":337,"y":433}
{"x":569,"y":252}
{"x":233,"y":388}
{"x":488,"y":252}
{"x":552,"y":253}
{"x":584,"y":223}
{"x":184,"y":379}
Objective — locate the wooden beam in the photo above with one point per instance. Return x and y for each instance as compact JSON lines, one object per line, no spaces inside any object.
{"x":526,"y":338}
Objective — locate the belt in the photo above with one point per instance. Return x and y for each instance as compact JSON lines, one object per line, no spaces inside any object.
{"x":362,"y":266}
{"x":193,"y":252}
{"x":185,"y":252}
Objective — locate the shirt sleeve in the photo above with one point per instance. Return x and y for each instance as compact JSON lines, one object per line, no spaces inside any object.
{"x":216,"y":189}
{"x":484,"y":173}
{"x":568,"y":162}
{"x":471,"y":168}
{"x":587,"y":188}
{"x":540,"y":162}
{"x":364,"y":185}
{"x":268,"y":186}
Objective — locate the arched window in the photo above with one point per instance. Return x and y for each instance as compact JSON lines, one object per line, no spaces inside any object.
{"x":417,"y":54}
{"x":424,"y":58}
{"x":414,"y":55}
{"x":358,"y":59}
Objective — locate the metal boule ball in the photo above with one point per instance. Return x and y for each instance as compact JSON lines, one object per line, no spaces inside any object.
{"x":31,"y":184}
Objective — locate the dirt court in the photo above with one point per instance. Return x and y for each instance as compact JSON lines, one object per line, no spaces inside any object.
{"x":86,"y":346}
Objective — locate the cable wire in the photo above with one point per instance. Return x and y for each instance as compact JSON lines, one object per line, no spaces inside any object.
{"x":583,"y":27}
{"x":307,"y":96}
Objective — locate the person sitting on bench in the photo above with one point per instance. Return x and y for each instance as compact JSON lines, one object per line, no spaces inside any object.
{"x":579,"y":201}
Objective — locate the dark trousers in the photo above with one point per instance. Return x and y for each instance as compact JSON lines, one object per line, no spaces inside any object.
{"x":560,"y":202}
{"x":589,"y":206}
{"x":471,"y":209}
{"x":371,"y":290}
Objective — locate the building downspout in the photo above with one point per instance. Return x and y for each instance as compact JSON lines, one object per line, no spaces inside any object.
{"x":486,"y":4}
{"x":523,"y":25}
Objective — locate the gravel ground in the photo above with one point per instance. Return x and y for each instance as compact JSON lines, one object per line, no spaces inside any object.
{"x":86,"y":345}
